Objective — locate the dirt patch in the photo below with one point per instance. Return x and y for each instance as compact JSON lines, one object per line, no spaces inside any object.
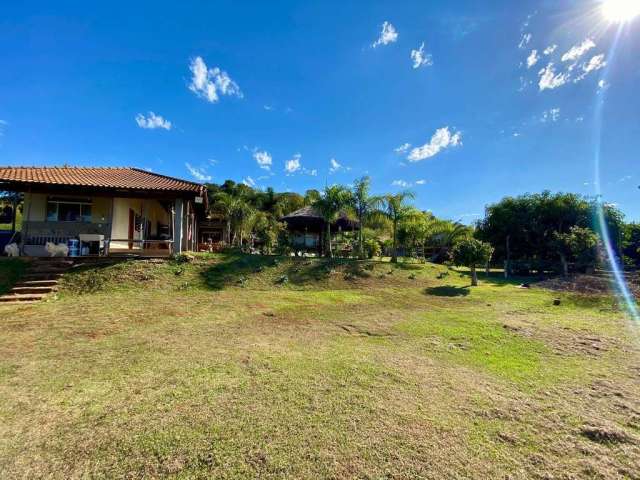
{"x":364,"y":332}
{"x":608,"y":434}
{"x":599,"y":284}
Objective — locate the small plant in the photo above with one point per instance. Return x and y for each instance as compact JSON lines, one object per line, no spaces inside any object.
{"x":183,"y":258}
{"x":283,"y":280}
{"x":242,"y":281}
{"x":412,"y":276}
{"x":471,"y":253}
{"x":178,"y":271}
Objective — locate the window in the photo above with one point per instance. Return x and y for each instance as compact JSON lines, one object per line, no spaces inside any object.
{"x":68,"y":209}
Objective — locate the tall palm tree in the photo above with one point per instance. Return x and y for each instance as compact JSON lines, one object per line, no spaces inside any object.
{"x":333,"y":201}
{"x":223,"y":203}
{"x":364,"y":206}
{"x":396,"y":210}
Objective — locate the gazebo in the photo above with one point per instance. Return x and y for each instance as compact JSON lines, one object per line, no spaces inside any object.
{"x":306,"y":227}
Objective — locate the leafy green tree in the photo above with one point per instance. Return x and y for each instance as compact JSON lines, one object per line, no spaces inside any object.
{"x":396,"y":210}
{"x":580,"y":245}
{"x":334,"y":200}
{"x":364,"y":206}
{"x":471,"y":253}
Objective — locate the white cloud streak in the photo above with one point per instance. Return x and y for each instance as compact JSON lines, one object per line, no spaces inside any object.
{"x":210,"y":83}
{"x":293,"y":165}
{"x":420,"y":59}
{"x":263,"y":159}
{"x":549,"y":80}
{"x":152,"y":121}
{"x":441,"y":140}
{"x":577,"y":51}
{"x":198,"y":173}
{"x":403,"y":148}
{"x":387,"y":35}
{"x":533,"y":58}
{"x":524,"y":41}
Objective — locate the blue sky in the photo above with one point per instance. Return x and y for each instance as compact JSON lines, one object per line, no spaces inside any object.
{"x":270,"y":92}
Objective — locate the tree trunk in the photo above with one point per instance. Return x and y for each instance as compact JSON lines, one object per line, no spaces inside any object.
{"x":474,"y":276}
{"x":565,"y":265}
{"x":507,"y":263}
{"x":360,"y":239}
{"x":329,"y":239}
{"x":487,"y":269}
{"x":394,"y":252}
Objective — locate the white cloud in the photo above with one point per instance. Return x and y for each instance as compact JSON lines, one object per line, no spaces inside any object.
{"x":524,"y":41}
{"x":249,"y":182}
{"x":595,"y":64}
{"x":387,"y":35}
{"x":3,"y":123}
{"x":603,"y":85}
{"x":263,"y":158}
{"x":313,"y":172}
{"x":577,"y":51}
{"x":549,"y":79}
{"x":420,"y":182}
{"x":401,"y":183}
{"x":533,"y":58}
{"x":552,"y":115}
{"x":442,"y":139}
{"x":403,"y":148}
{"x":420,"y":59}
{"x":268,"y":108}
{"x":198,"y":173}
{"x":293,"y":165}
{"x":334,"y":166}
{"x":550,"y":49}
{"x":579,"y":119}
{"x":152,"y":121}
{"x":213,"y":161}
{"x":210,"y":83}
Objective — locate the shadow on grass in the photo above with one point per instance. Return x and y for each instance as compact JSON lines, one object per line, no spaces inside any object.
{"x":234,"y":269}
{"x":495,"y":279}
{"x":447,"y":291}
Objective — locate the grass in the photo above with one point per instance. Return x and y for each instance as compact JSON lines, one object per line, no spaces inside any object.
{"x":11,"y":269}
{"x":235,"y":366}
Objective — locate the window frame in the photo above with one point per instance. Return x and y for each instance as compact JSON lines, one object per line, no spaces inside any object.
{"x":81,"y":202}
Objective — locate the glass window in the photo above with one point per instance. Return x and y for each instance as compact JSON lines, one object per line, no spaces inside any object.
{"x":71,"y":210}
{"x":52,"y":212}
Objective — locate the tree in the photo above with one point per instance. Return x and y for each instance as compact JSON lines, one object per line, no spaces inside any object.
{"x":579,"y":245}
{"x":223,"y":204}
{"x":333,"y":201}
{"x":396,"y":210}
{"x":364,"y":206}
{"x":471,"y":253}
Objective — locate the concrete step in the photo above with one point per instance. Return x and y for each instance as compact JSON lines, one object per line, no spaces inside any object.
{"x":37,"y":283}
{"x":25,"y":290}
{"x":26,"y":297}
{"x":41,"y":276}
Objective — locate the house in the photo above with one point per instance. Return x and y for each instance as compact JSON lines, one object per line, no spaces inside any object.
{"x":109,"y":210}
{"x":307,"y":227}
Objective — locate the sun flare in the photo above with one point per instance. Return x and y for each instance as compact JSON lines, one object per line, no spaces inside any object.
{"x":620,"y":11}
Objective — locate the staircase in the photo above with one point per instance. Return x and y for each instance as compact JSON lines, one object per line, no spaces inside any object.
{"x":40,"y":280}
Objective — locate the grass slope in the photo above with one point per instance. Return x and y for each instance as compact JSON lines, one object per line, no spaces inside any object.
{"x":236,"y":366}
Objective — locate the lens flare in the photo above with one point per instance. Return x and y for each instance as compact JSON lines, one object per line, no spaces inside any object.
{"x":620,"y":11}
{"x":619,"y":281}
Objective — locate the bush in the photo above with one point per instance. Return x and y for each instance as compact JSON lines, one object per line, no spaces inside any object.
{"x":372,"y":248}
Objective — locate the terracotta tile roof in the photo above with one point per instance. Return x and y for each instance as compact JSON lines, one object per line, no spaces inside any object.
{"x":118,"y":178}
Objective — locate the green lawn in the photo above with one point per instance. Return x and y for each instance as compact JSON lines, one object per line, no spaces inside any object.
{"x":255,"y":367}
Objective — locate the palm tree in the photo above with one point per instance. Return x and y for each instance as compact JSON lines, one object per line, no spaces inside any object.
{"x":364,"y":206}
{"x":223,"y":203}
{"x":397,"y":209}
{"x":333,"y":201}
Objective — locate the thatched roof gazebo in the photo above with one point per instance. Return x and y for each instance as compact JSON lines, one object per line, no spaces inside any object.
{"x":307,"y":225}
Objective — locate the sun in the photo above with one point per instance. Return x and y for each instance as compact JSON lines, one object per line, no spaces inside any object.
{"x":620,"y":11}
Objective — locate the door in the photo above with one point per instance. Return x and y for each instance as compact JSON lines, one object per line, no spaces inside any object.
{"x":132,"y":226}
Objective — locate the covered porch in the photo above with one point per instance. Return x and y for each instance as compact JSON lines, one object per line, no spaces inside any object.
{"x":99,"y":220}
